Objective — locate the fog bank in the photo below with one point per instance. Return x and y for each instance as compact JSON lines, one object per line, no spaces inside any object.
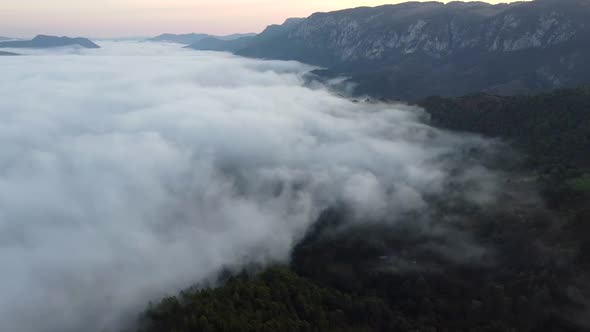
{"x":133,"y":171}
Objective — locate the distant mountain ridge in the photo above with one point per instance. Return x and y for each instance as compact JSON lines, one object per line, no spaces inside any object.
{"x":243,"y":41}
{"x":417,"y":49}
{"x":191,"y":38}
{"x":43,"y":41}
{"x":2,"y":38}
{"x":7,"y":53}
{"x":216,"y":44}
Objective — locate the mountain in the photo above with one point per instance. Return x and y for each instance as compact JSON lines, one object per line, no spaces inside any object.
{"x":246,"y":41}
{"x":42,"y":41}
{"x":235,"y":36}
{"x":180,"y":39}
{"x":7,"y":53}
{"x":417,"y":49}
{"x":216,"y":44}
{"x":192,"y":38}
{"x":6,"y":38}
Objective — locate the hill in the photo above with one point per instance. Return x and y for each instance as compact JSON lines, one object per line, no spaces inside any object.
{"x":43,"y":41}
{"x":191,"y":38}
{"x":215,"y":44}
{"x":7,"y":53}
{"x":553,"y":128}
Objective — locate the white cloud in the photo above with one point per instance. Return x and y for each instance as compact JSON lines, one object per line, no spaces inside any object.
{"x":125,"y":176}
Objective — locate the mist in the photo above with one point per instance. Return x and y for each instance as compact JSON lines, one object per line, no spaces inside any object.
{"x":136,"y":170}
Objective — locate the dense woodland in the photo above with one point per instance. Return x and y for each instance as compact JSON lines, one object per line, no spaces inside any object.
{"x":552,"y":130}
{"x":509,"y":267}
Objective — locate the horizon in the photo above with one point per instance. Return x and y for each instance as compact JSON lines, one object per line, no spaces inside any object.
{"x":137,"y":19}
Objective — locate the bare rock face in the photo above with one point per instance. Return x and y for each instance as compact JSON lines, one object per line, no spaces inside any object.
{"x":416,"y":49}
{"x":440,"y":30}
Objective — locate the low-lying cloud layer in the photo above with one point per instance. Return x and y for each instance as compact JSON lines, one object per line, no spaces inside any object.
{"x":136,"y":170}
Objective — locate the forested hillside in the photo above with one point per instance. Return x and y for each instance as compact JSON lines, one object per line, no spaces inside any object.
{"x":552,"y":130}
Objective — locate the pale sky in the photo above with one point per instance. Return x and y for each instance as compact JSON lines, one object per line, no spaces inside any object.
{"x":120,"y":18}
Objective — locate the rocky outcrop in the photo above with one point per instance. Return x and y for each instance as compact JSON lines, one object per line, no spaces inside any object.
{"x":417,"y":49}
{"x":440,"y":30}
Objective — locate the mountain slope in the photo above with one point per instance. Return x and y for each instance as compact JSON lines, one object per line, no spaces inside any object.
{"x":416,"y":49}
{"x":191,"y":38}
{"x":553,"y":128}
{"x":42,"y":41}
{"x":216,"y":44}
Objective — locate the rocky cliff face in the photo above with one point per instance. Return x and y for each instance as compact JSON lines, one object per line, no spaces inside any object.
{"x":440,"y":30}
{"x":417,"y":49}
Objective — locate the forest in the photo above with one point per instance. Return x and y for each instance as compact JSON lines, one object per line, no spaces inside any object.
{"x":552,"y":130}
{"x":519,"y":265}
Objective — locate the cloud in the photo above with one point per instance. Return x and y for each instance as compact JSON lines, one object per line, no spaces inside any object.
{"x":133,"y":171}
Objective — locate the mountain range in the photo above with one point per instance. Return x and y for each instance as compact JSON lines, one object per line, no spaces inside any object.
{"x":418,"y":49}
{"x":43,"y":41}
{"x":191,"y":38}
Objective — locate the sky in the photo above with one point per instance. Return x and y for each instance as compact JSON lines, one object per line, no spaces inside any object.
{"x":127,"y":18}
